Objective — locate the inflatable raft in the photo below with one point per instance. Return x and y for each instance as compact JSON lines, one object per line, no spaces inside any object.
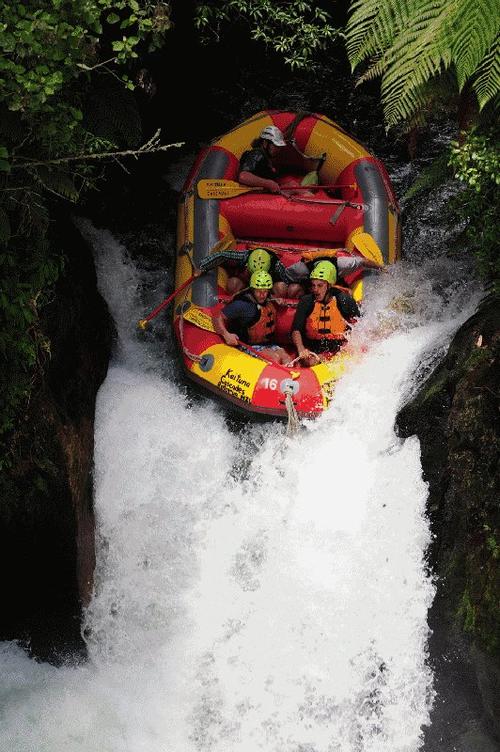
{"x":359,"y":199}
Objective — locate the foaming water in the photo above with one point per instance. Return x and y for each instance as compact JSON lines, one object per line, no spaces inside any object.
{"x":253,"y":592}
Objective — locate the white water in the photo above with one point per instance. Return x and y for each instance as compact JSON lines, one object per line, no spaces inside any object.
{"x":252,"y":592}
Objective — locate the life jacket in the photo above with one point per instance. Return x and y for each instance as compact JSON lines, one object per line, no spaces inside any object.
{"x":325,"y":321}
{"x":263,"y":329}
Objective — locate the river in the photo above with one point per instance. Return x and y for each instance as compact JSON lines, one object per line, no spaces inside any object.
{"x":253,"y":591}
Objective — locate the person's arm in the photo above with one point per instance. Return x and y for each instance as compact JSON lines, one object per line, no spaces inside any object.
{"x":256,"y":171}
{"x":299,"y":320}
{"x":254,"y":181}
{"x":347,"y":306}
{"x":302,"y":351}
{"x":297,"y":272}
{"x":220,"y":326}
{"x":215,"y":259}
{"x":350,"y":264}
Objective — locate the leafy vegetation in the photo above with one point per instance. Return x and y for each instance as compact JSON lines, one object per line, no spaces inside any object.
{"x":409,"y":44}
{"x":51,"y":52}
{"x":476,"y":163}
{"x":296,"y":29}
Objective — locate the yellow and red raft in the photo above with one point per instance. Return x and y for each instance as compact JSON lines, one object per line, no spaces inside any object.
{"x":364,"y":202}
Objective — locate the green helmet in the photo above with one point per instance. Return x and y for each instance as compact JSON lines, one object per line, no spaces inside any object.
{"x":261,"y":281}
{"x":324,"y":270}
{"x":259,"y":261}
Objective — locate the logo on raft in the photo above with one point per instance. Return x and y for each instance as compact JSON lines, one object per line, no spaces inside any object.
{"x":235,"y":385}
{"x":328,"y":390}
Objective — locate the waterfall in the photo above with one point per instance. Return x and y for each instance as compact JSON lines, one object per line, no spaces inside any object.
{"x":253,"y":591}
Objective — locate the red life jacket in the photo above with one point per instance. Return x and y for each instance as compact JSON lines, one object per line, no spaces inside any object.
{"x":325,"y":321}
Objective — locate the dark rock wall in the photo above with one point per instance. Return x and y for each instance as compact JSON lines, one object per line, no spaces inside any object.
{"x":455,"y":416}
{"x":46,"y":518}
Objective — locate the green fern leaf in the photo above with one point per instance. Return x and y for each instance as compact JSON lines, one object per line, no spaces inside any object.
{"x":475,"y":30}
{"x":487,"y":83}
{"x":409,"y":44}
{"x":58,"y":182}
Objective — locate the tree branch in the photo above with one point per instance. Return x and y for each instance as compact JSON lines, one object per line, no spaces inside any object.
{"x":149,"y":147}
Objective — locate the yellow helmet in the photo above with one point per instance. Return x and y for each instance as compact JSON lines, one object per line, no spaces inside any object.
{"x":259,"y":261}
{"x":324,"y":270}
{"x":261,"y":281}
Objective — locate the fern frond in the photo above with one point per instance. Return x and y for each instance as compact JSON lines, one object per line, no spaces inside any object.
{"x":409,"y":43}
{"x":373,"y":26}
{"x":58,"y":182}
{"x":418,"y":55}
{"x":359,"y":27}
{"x":475,"y":29}
{"x":487,"y":82}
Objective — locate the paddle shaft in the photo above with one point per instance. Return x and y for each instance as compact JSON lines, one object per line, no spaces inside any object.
{"x":167,"y":300}
{"x":218,"y":189}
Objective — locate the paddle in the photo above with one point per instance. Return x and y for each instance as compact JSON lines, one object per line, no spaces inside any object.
{"x":219,"y":189}
{"x":142,"y":324}
{"x":222,"y":245}
{"x":367,"y":245}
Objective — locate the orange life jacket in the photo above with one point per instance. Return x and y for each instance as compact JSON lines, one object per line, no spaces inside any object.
{"x":263,"y":329}
{"x":325,"y":321}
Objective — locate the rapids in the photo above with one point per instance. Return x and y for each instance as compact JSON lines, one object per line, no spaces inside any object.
{"x":253,"y":591}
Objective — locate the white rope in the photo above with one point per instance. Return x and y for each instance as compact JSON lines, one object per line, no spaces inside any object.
{"x":293,"y":424}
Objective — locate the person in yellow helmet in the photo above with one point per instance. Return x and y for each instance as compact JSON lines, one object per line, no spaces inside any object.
{"x":323,"y":317}
{"x":244,"y":263}
{"x":251,"y":318}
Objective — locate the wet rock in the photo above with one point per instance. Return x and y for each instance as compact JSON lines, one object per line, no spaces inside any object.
{"x":455,"y":416}
{"x":46,"y":518}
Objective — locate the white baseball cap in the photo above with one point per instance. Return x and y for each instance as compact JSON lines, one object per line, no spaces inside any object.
{"x":273,"y":134}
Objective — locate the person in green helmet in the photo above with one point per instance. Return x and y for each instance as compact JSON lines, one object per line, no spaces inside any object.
{"x":251,"y":318}
{"x":323,"y":317}
{"x":250,"y":261}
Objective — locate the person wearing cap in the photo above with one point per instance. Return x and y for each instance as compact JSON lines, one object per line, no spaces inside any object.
{"x":323,"y":317}
{"x":256,"y":167}
{"x":251,"y":318}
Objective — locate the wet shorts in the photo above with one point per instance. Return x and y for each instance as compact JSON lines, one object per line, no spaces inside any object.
{"x":259,"y":348}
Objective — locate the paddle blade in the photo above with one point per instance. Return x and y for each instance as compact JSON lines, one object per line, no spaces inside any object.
{"x":224,"y":244}
{"x":367,"y":245}
{"x":221,"y":189}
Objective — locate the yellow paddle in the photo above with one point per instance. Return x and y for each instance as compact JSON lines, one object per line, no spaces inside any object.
{"x":219,"y":189}
{"x":367,"y":245}
{"x":222,"y":189}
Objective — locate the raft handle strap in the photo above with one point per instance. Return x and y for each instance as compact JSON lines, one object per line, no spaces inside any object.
{"x":338,"y":211}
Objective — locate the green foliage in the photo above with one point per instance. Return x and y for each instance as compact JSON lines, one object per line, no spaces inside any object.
{"x":52,"y":52}
{"x":24,"y":290}
{"x":47,"y":52}
{"x":296,"y":29}
{"x":476,"y":163}
{"x":408,"y":44}
{"x":478,"y":611}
